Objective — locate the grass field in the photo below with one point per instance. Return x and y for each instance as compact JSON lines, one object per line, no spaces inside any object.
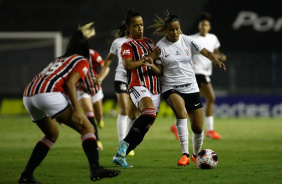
{"x":250,"y":152}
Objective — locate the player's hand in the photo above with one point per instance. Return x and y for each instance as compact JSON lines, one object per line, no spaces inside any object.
{"x":77,"y":117}
{"x":148,"y":61}
{"x":154,"y":55}
{"x":220,"y":65}
{"x":97,"y":80}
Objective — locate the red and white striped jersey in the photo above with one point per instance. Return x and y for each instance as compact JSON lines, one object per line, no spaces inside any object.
{"x":53,"y":77}
{"x":142,"y":76}
{"x":88,"y":85}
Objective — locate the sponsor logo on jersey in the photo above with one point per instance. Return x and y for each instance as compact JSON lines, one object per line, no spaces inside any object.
{"x":177,"y":53}
{"x":167,"y":55}
{"x":196,"y":46}
{"x":126,"y":52}
{"x":182,"y":86}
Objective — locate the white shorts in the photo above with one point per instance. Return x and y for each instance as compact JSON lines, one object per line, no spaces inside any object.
{"x":98,"y":96}
{"x":138,"y":92}
{"x":43,"y":105}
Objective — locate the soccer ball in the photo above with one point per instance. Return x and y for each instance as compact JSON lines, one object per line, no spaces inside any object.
{"x":207,"y":159}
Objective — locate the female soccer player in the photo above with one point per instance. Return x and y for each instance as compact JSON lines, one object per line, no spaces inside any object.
{"x":46,"y":100}
{"x":203,"y":70}
{"x":125,"y":117}
{"x":179,"y":86}
{"x":90,"y":95}
{"x":138,"y":54}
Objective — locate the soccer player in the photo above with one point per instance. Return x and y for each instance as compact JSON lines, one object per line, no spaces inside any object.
{"x":51,"y":96}
{"x":179,"y":86}
{"x":125,"y":117}
{"x":203,"y":70}
{"x":90,"y":95}
{"x":138,"y":54}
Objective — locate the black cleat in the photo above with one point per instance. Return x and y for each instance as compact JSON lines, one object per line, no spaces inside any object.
{"x":103,"y":173}
{"x":27,"y":179}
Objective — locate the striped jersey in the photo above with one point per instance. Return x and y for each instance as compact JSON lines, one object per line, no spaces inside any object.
{"x":88,"y":85}
{"x":142,"y":76}
{"x":53,"y":77}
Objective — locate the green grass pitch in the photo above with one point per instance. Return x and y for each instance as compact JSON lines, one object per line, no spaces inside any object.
{"x":249,"y":152}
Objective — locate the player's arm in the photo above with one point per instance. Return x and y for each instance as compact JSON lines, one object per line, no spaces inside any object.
{"x":106,"y":67}
{"x":156,"y":68}
{"x":213,"y":58}
{"x":70,"y":89}
{"x":98,"y":80}
{"x":219,"y":55}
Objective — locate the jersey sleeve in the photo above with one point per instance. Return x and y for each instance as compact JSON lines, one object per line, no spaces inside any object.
{"x":216,"y":42}
{"x":114,"y":49}
{"x":82,"y":67}
{"x":96,"y":58}
{"x":195,"y":45}
{"x":126,"y":51}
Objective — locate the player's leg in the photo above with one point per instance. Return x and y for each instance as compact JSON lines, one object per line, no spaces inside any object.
{"x":98,"y":108}
{"x":177,"y":104}
{"x":51,"y":132}
{"x":122,"y":99}
{"x":89,"y":144}
{"x":86,"y":104}
{"x":207,"y":91}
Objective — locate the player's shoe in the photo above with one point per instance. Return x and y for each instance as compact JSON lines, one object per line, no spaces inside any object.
{"x":122,"y":149}
{"x":194,"y":158}
{"x":121,"y":161}
{"x":174,"y":130}
{"x":183,"y":161}
{"x":102,"y":173}
{"x":212,"y":134}
{"x":101,"y":124}
{"x":131,"y":153}
{"x":100,"y":145}
{"x":27,"y":179}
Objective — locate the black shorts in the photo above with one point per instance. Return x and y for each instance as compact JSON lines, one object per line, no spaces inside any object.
{"x":121,"y":87}
{"x":202,"y":79}
{"x":192,"y":100}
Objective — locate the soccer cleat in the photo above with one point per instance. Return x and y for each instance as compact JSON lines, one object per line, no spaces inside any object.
{"x":101,"y":124}
{"x":122,"y":149}
{"x":121,"y":161}
{"x":131,"y":153}
{"x":100,"y":146}
{"x":174,"y":130}
{"x":27,"y":179}
{"x":183,"y":161}
{"x":212,"y":134}
{"x":194,"y":158}
{"x":102,"y":173}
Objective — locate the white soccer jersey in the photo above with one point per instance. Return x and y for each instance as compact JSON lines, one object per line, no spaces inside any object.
{"x":176,"y":59}
{"x":115,"y":49}
{"x":203,"y":65}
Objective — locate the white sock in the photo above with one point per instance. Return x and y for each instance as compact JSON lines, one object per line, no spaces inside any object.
{"x":129,"y":124}
{"x":209,"y":123}
{"x":183,"y":134}
{"x":121,"y":126}
{"x":197,"y":140}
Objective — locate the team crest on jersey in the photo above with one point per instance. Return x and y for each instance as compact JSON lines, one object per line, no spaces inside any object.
{"x":85,"y":70}
{"x":177,"y":53}
{"x":187,"y":53}
{"x":143,"y":91}
{"x":126,"y":52}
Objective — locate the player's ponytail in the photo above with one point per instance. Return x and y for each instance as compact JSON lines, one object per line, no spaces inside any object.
{"x":122,"y":31}
{"x":78,"y":43}
{"x":161,"y":24}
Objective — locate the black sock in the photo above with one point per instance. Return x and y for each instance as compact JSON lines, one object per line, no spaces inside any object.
{"x":138,"y":130}
{"x":39,"y":153}
{"x":92,"y":121}
{"x":91,"y":150}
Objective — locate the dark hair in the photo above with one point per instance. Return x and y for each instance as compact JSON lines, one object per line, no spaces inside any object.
{"x":77,"y":44}
{"x":129,"y":15}
{"x":205,"y":16}
{"x":169,"y":19}
{"x":122,"y":31}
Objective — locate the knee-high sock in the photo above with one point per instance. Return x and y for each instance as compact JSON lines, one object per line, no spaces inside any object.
{"x":209,"y":123}
{"x":121,"y":126}
{"x":90,"y":148}
{"x":39,"y":153}
{"x":140,"y":127}
{"x":183,"y":134}
{"x":129,"y":124}
{"x":90,"y":116}
{"x":197,"y":142}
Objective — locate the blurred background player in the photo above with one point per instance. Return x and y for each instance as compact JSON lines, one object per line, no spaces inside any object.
{"x":51,"y":96}
{"x":125,"y":117}
{"x":179,"y":86}
{"x":90,"y":94}
{"x":138,"y":54}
